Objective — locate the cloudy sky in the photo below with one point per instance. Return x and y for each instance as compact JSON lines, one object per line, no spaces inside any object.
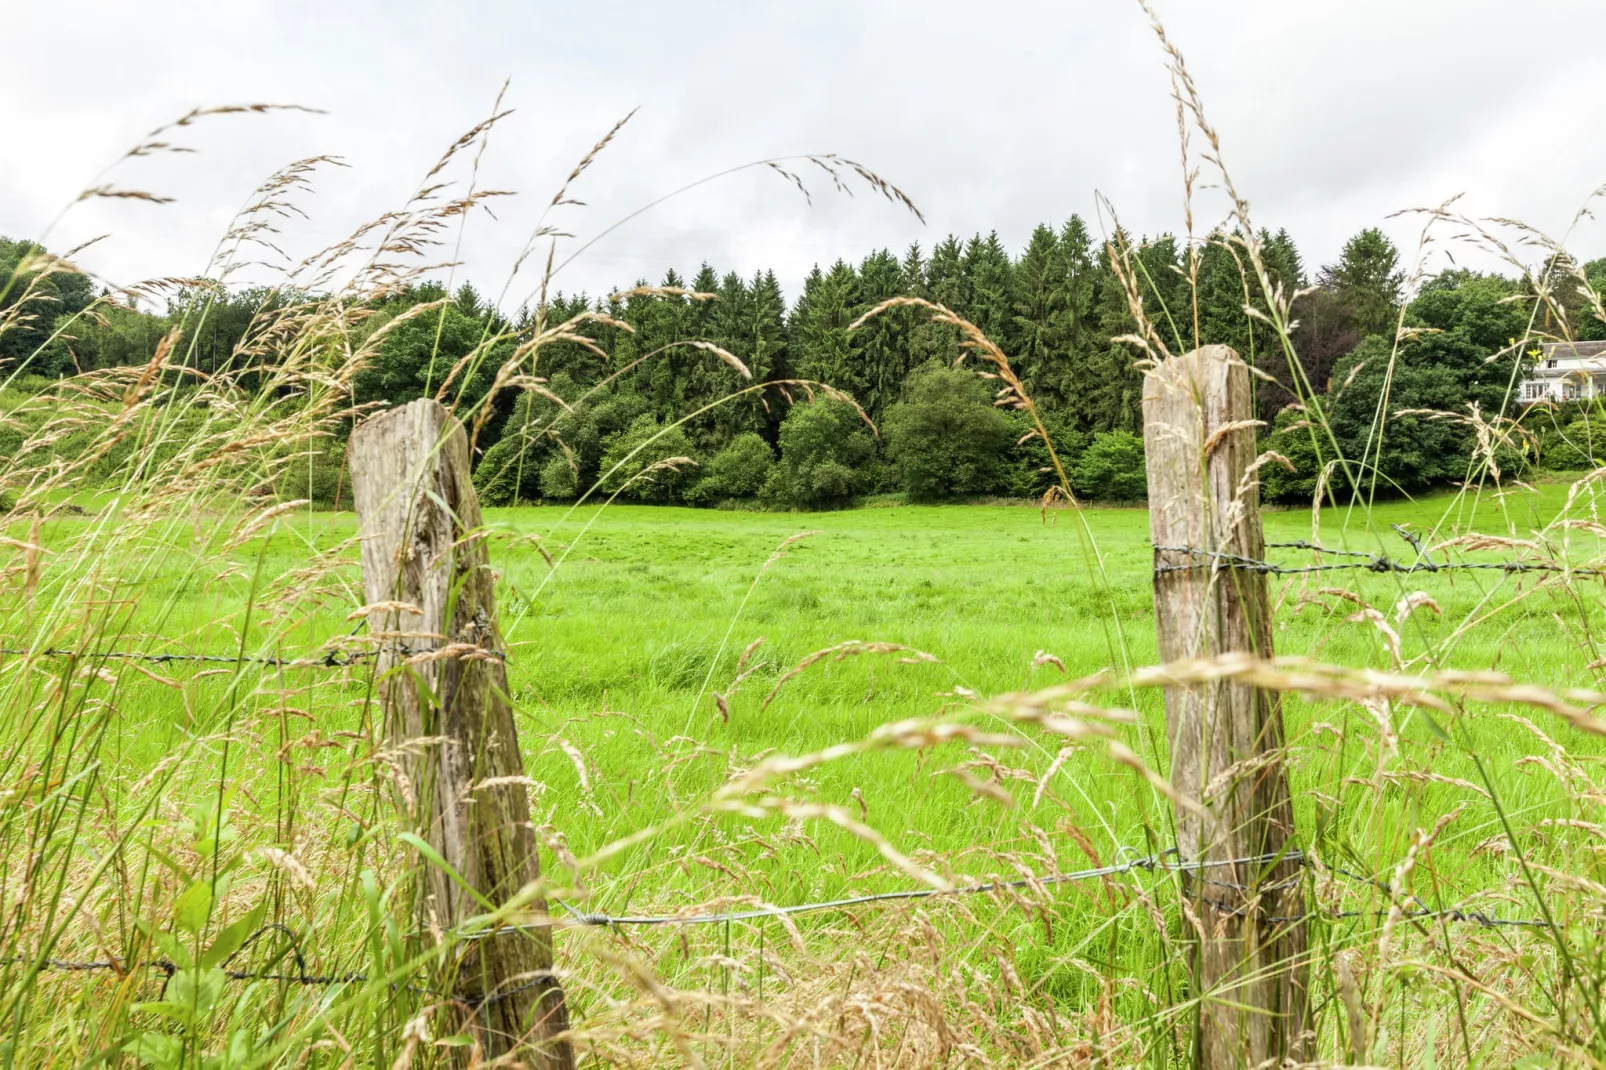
{"x":993,"y":116}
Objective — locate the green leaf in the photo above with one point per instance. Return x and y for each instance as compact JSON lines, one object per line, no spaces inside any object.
{"x":154,"y":1049}
{"x":170,"y":947}
{"x":178,"y":1012}
{"x":456,"y":1040}
{"x":194,"y":907}
{"x":434,"y":858}
{"x":1433,"y":726}
{"x":197,"y":990}
{"x":229,"y":940}
{"x":167,"y":861}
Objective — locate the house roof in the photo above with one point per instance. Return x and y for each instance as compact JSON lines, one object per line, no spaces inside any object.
{"x":1576,"y":350}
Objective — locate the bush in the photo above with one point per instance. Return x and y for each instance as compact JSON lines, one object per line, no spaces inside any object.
{"x":825,"y":450}
{"x":1111,"y":468}
{"x":642,"y":446}
{"x":1030,"y":468}
{"x":524,"y":464}
{"x":558,"y":478}
{"x":1291,"y":437}
{"x":1579,"y":446}
{"x":737,"y":471}
{"x":319,"y":474}
{"x":945,"y":438}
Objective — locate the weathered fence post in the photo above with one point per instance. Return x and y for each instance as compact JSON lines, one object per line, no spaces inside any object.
{"x":1225,"y":737}
{"x":444,"y":691}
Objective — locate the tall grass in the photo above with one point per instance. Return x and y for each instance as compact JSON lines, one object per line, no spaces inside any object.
{"x":701,"y":738}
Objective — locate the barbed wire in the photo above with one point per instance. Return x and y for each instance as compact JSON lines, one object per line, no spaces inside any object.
{"x":329,"y":659}
{"x":1152,"y":863}
{"x":1369,"y":562}
{"x":1161,"y":863}
{"x":168,"y":968}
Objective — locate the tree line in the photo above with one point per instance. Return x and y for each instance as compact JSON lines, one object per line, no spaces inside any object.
{"x":648,"y":415}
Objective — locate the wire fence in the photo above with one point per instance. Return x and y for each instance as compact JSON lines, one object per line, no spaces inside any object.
{"x":1359,"y":560}
{"x":1369,"y":562}
{"x":326,"y":659}
{"x":1163,"y":863}
{"x":335,"y":658}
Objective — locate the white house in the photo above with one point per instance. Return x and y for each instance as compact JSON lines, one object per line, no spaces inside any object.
{"x":1567,"y":371}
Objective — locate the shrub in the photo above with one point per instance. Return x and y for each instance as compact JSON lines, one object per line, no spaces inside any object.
{"x":737,"y":471}
{"x":1578,"y":446}
{"x":1111,"y":468}
{"x":825,"y":450}
{"x":642,"y":446}
{"x":945,"y":438}
{"x":317,"y":474}
{"x":1291,"y":437}
{"x":1030,"y":469}
{"x":558,"y":479}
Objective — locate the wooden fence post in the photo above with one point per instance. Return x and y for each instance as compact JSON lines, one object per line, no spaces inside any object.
{"x":1225,"y":737}
{"x":447,"y":713}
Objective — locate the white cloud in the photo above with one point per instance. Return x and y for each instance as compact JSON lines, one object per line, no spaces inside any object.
{"x":994,"y":116}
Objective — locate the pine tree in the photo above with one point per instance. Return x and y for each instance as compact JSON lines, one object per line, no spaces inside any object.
{"x":990,"y":275}
{"x":767,"y":332}
{"x":821,"y":347}
{"x":881,"y":346}
{"x":1226,"y":280}
{"x":1075,"y":331}
{"x":1039,"y":289}
{"x":942,"y":281}
{"x":1367,"y":281}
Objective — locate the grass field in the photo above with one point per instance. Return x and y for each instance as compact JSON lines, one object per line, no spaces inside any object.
{"x":617,"y":655}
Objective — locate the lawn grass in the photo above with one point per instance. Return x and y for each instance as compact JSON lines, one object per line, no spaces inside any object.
{"x":645,"y":618}
{"x":617,"y":654}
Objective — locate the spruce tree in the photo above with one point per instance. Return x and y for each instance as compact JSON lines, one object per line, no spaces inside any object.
{"x":1039,"y":288}
{"x":881,"y":346}
{"x":1075,"y":332}
{"x":1367,"y":281}
{"x":990,"y":276}
{"x":822,"y":348}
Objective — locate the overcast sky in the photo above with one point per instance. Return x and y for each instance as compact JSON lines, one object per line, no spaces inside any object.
{"x":993,"y":116}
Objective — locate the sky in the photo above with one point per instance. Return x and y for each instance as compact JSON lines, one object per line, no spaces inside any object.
{"x":994,"y":116}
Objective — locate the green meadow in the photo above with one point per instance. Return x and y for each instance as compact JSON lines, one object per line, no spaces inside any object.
{"x":658,"y":654}
{"x":624,"y":650}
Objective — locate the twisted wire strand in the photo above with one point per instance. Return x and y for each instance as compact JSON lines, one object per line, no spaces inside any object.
{"x":1378,"y":563}
{"x":328,"y":659}
{"x":1161,"y":863}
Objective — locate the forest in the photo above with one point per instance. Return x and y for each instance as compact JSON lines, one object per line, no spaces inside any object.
{"x":646,"y":415}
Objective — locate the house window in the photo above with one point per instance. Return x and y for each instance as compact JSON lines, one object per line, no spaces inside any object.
{"x":1569,"y":391}
{"x":1551,"y":363}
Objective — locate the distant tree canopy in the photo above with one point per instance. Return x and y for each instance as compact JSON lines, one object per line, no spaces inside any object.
{"x":659,"y":416}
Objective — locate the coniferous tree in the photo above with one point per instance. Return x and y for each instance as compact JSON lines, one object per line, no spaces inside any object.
{"x":1367,"y":281}
{"x":822,"y":346}
{"x":881,"y":345}
{"x":1040,"y":287}
{"x":990,"y":275}
{"x":767,"y":334}
{"x":943,"y":282}
{"x":1075,"y":328}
